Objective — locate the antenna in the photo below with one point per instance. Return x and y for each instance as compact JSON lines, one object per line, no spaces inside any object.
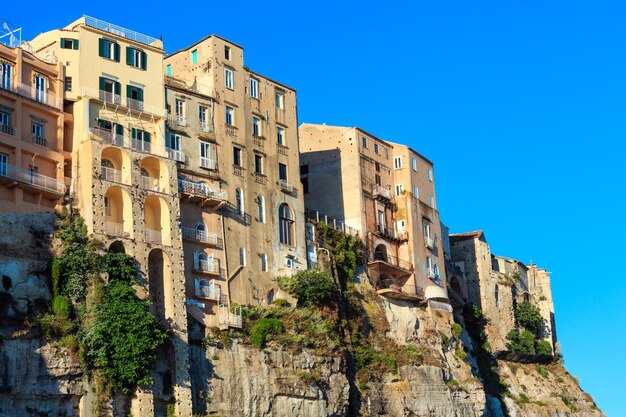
{"x":10,"y":34}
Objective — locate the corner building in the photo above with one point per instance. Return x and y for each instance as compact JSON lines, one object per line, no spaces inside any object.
{"x":240,"y":141}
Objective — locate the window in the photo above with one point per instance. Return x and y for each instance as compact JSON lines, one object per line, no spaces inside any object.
{"x":67,"y":43}
{"x":40,"y":88}
{"x":427,"y":231}
{"x":6,"y":71}
{"x":376,"y":148}
{"x":202,"y":112}
{"x":194,"y":57}
{"x":4,"y":162}
{"x":260,"y":201}
{"x":429,"y":266}
{"x":230,"y":116}
{"x":258,"y":164}
{"x":436,"y":272}
{"x":414,"y":164}
{"x":110,"y":90}
{"x":377,"y":166}
{"x":32,"y":174}
{"x":304,"y":169}
{"x":397,"y":162}
{"x":386,"y":153}
{"x":289,"y":263}
{"x":229,"y":81}
{"x":432,"y":201}
{"x":242,"y":256}
{"x":180,"y":110}
{"x":173,"y":142}
{"x":37,"y":130}
{"x":282,"y":172}
{"x":227,"y":52}
{"x":398,"y":190}
{"x":5,"y":120}
{"x":254,"y":87}
{"x":107,"y":206}
{"x":263,"y":262}
{"x":68,"y":83}
{"x":109,"y":49}
{"x":377,"y":179}
{"x":280,"y":100}
{"x":168,"y":69}
{"x":140,"y":139}
{"x":236,"y":156}
{"x":136,"y":58}
{"x":430,"y":175}
{"x":239,"y":201}
{"x":381,"y":220}
{"x":286,"y":223}
{"x":416,"y":192}
{"x":206,"y":155}
{"x":256,"y":126}
{"x":280,"y":135}
{"x":135,"y":97}
{"x":401,"y":226}
{"x":364,"y":141}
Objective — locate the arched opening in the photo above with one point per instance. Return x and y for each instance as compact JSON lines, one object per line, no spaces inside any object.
{"x":118,"y":213}
{"x":117,"y":247}
{"x":380,"y":253}
{"x":115,"y":165}
{"x":154,"y":175}
{"x":156,"y":220}
{"x":201,"y":232}
{"x":286,"y":224}
{"x":160,"y":283}
{"x":456,"y":286}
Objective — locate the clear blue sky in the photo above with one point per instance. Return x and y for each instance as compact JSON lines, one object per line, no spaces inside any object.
{"x":520,"y":104}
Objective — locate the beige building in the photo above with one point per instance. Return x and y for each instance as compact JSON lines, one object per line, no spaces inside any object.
{"x":385,"y":192}
{"x":123,"y":179}
{"x":34,"y":155}
{"x":239,"y":137}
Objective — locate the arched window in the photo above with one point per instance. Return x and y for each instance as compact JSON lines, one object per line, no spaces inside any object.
{"x":145,"y":173}
{"x":285,"y":219}
{"x":201,"y":232}
{"x":107,"y":164}
{"x":242,"y":256}
{"x":239,"y":200}
{"x":497,"y":297}
{"x":261,"y":209}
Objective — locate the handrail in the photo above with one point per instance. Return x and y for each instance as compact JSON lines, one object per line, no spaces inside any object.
{"x":379,"y":190}
{"x":394,"y":261}
{"x":120,"y":31}
{"x":116,"y":99}
{"x":33,"y":178}
{"x":199,"y":188}
{"x":200,"y":235}
{"x":45,"y":96}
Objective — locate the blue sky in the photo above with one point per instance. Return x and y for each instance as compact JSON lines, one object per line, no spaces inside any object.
{"x":520,"y":105}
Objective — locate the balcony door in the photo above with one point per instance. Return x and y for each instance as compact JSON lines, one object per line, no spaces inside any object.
{"x":40,"y":88}
{"x":4,"y":162}
{"x":381,"y":221}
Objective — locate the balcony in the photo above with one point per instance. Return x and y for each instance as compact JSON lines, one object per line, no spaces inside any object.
{"x":134,"y":104}
{"x":286,"y":186}
{"x":41,"y":141}
{"x":191,"y":233}
{"x":9,"y":130}
{"x":238,"y":170}
{"x":208,"y":163}
{"x":107,"y":136}
{"x":282,"y":149}
{"x":32,"y":179}
{"x":206,"y":127}
{"x":110,"y":174}
{"x":206,"y":195}
{"x":260,"y":178}
{"x":396,"y":289}
{"x":153,"y":236}
{"x":429,"y":242}
{"x":117,"y":229}
{"x":141,"y":145}
{"x":390,"y":265}
{"x":211,"y":266}
{"x":109,"y":97}
{"x":148,"y":183}
{"x":175,"y":154}
{"x":381,"y":192}
{"x":258,"y":140}
{"x":176,"y":121}
{"x":40,"y":96}
{"x":230,"y":130}
{"x":228,"y":318}
{"x":390,"y":234}
{"x":210,"y":291}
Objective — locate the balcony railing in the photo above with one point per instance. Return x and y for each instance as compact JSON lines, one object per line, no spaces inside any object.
{"x":228,"y":318}
{"x":134,"y":104}
{"x":282,"y":149}
{"x":41,"y":96}
{"x":109,"y":97}
{"x":394,"y":261}
{"x":29,"y":177}
{"x":286,"y":186}
{"x":107,"y":136}
{"x":41,"y":141}
{"x":403,"y":290}
{"x":230,"y":130}
{"x":112,"y":98}
{"x":260,"y":178}
{"x":208,"y":163}
{"x":192,"y":233}
{"x":389,"y":233}
{"x":120,"y":31}
{"x":429,"y":241}
{"x":9,"y":130}
{"x":201,"y":189}
{"x":111,"y":174}
{"x":116,"y":229}
{"x":206,"y":127}
{"x":175,"y":154}
{"x":238,"y":170}
{"x":149,"y":183}
{"x":212,"y":291}
{"x":207,"y":266}
{"x":141,"y":145}
{"x":152,"y":236}
{"x":177,"y":120}
{"x":258,"y":140}
{"x":380,"y":191}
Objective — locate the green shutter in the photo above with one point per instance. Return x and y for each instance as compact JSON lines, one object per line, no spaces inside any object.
{"x":146,"y":136}
{"x":102,"y":83}
{"x":75,"y":43}
{"x":101,"y":123}
{"x":129,"y":55}
{"x":144,"y":60}
{"x":118,"y":88}
{"x":116,"y":52}
{"x":140,"y":94}
{"x":129,"y":91}
{"x":133,"y":133}
{"x":62,"y":43}
{"x":119,"y":129}
{"x":101,"y":46}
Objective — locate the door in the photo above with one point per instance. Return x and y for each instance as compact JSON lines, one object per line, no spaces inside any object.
{"x":381,"y":221}
{"x":4,"y":162}
{"x":40,"y":88}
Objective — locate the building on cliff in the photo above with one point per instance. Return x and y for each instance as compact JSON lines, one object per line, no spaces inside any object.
{"x":496,"y":285}
{"x":386,"y":192}
{"x":34,"y":147}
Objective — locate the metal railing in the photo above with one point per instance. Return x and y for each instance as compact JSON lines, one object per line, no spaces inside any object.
{"x":116,"y":229}
{"x":41,"y":96}
{"x":192,"y":233}
{"x":134,"y":104}
{"x":177,"y":120}
{"x":394,"y":261}
{"x":391,"y":233}
{"x":286,"y":186}
{"x":40,"y":140}
{"x":202,"y":189}
{"x":111,"y":174}
{"x":141,"y":145}
{"x":208,"y":266}
{"x":35,"y":179}
{"x":208,"y":163}
{"x":109,"y":97}
{"x":149,"y":183}
{"x":152,"y":236}
{"x":282,"y":149}
{"x":226,"y":317}
{"x":379,"y":190}
{"x":336,"y":224}
{"x":9,"y":130}
{"x":396,"y":285}
{"x":175,"y":154}
{"x":120,"y":31}
{"x":107,"y":136}
{"x":212,"y":291}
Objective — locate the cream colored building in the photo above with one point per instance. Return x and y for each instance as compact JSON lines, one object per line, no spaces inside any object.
{"x":123,"y":180}
{"x":34,"y":155}
{"x":250,"y":124}
{"x":368,"y":183}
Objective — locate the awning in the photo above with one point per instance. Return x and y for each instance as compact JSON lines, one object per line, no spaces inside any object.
{"x":435,"y":292}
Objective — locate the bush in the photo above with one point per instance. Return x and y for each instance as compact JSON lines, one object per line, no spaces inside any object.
{"x":445,"y":340}
{"x":521,"y":342}
{"x":309,"y":287}
{"x":121,"y":267}
{"x":55,"y":274}
{"x":262,"y":329}
{"x":61,"y":306}
{"x":529,"y":317}
{"x":544,"y":347}
{"x":52,"y":325}
{"x":542,"y":371}
{"x":460,"y":353}
{"x":456,"y":330}
{"x":281,"y":302}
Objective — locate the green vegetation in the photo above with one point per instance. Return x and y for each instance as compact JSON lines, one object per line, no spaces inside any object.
{"x":460,"y":353}
{"x":263,"y":329}
{"x":347,"y":250}
{"x":309,"y":377}
{"x":528,"y":319}
{"x":542,"y":371}
{"x":456,"y":330}
{"x":543,"y":347}
{"x":523,"y":342}
{"x":309,"y":287}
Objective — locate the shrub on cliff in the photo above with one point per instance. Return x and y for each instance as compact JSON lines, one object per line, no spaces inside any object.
{"x":309,"y":287}
{"x":121,"y":267}
{"x":263,"y":329}
{"x":529,"y":317}
{"x":523,"y":342}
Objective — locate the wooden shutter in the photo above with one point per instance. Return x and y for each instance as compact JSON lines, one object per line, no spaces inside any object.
{"x":133,"y":133}
{"x":102,"y":79}
{"x":62,"y":43}
{"x":75,"y":43}
{"x":119,"y":129}
{"x":129,"y":91}
{"x":129,"y":55}
{"x":118,"y":88}
{"x":144,"y":60}
{"x":116,"y":51}
{"x":140,"y":94}
{"x":101,"y":46}
{"x":146,"y":136}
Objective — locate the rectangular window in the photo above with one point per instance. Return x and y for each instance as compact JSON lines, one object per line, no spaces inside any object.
{"x":4,"y":162}
{"x":364,"y":141}
{"x":254,"y":87}
{"x":416,"y":192}
{"x":387,"y":153}
{"x":376,"y":148}
{"x":207,"y":160}
{"x":229,"y":78}
{"x":280,"y":135}
{"x":68,"y":43}
{"x":202,"y":114}
{"x":37,"y":130}
{"x":109,"y":49}
{"x":168,"y":69}
{"x":227,"y":52}
{"x":282,"y":172}
{"x":414,"y":164}
{"x":230,"y":116}
{"x":180,"y":110}
{"x":377,"y":166}
{"x":134,"y":97}
{"x":110,"y":90}
{"x":6,"y":70}
{"x":136,"y":58}
{"x":41,"y":88}
{"x":280,"y":100}
{"x":5,"y":119}
{"x":377,"y":179}
{"x":432,"y":201}
{"x":305,"y":185}
{"x":107,"y":206}
{"x":398,"y":190}
{"x":429,"y":265}
{"x":256,"y":126}
{"x":236,"y":156}
{"x":173,"y":141}
{"x":263,"y":263}
{"x":381,"y":220}
{"x":401,"y":226}
{"x":304,"y":169}
{"x":258,"y":164}
{"x":68,"y":83}
{"x":194,"y":57}
{"x":430,"y":175}
{"x":397,"y":162}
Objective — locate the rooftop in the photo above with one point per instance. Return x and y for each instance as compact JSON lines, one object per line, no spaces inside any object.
{"x":457,"y":237}
{"x":120,"y":31}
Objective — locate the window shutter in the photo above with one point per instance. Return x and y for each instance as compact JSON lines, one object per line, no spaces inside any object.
{"x":116,"y":51}
{"x":101,"y":123}
{"x":102,"y":83}
{"x":62,"y":43}
{"x":129,"y":55}
{"x":146,"y":136}
{"x":140,"y":94}
{"x":118,"y":88}
{"x":101,"y":47}
{"x":144,"y":60}
{"x":75,"y":43}
{"x":133,"y":133}
{"x":119,"y":129}
{"x":129,"y":91}
{"x":196,"y":261}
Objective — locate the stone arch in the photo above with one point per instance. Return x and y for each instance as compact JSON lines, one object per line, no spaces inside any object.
{"x":157,"y":220}
{"x":118,"y":212}
{"x":115,"y":165}
{"x":117,"y":247}
{"x":154,"y":174}
{"x":380,"y":253}
{"x":160,"y":283}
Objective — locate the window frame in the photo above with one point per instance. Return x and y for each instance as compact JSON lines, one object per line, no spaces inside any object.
{"x":280,"y":135}
{"x":254,"y":88}
{"x":229,"y":78}
{"x":279,"y":99}
{"x":397,"y":162}
{"x":286,"y":224}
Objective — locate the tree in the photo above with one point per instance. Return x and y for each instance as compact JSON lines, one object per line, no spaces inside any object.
{"x":309,"y":287}
{"x":529,"y":317}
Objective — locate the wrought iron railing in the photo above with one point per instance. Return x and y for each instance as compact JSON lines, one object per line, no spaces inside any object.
{"x":32,"y":178}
